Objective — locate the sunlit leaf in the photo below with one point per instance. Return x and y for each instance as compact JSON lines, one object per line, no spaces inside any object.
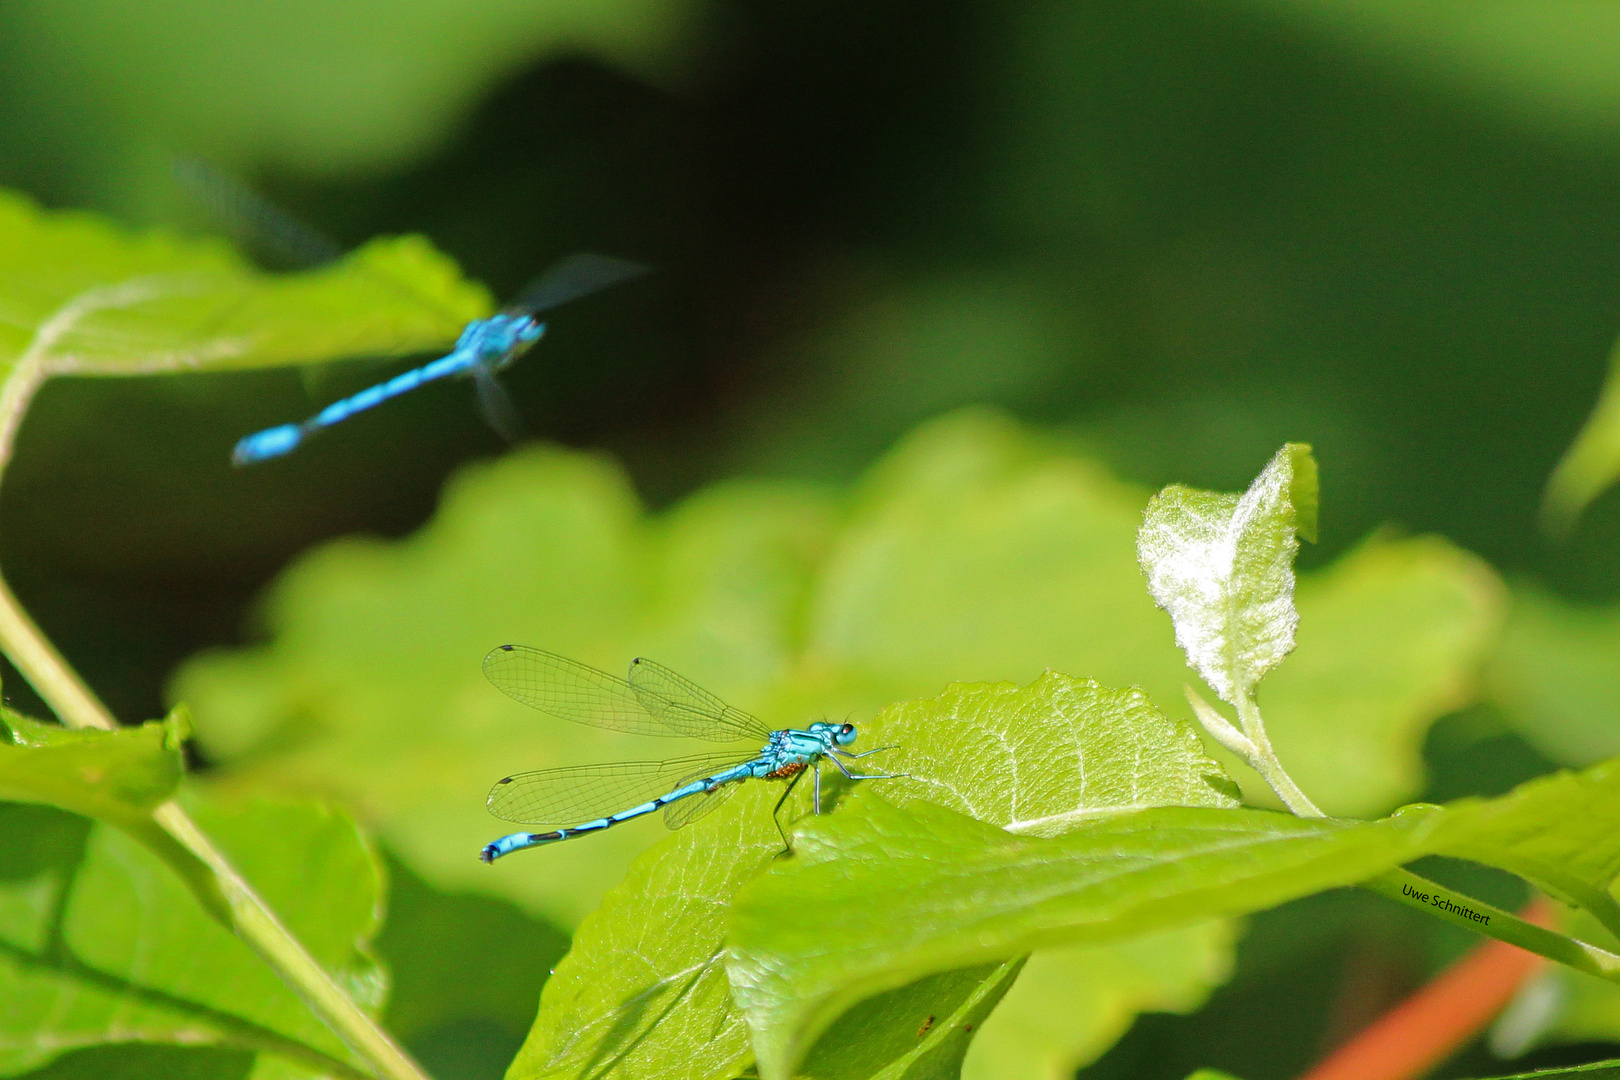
{"x":1041,"y":758}
{"x":1070,"y":1004}
{"x":117,"y":776}
{"x":643,"y":992}
{"x":101,"y":943}
{"x":646,"y":977}
{"x":1223,"y":567}
{"x":81,"y":296}
{"x":1556,"y":831}
{"x":923,"y":890}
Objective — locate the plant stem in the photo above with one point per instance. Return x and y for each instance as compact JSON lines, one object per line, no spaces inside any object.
{"x":257,"y":925}
{"x":46,"y":670}
{"x":1401,"y":885}
{"x":1265,"y":760}
{"x":244,"y":911}
{"x":1411,"y":889}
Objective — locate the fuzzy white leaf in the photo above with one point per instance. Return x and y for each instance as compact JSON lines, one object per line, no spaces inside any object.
{"x":1223,"y":567}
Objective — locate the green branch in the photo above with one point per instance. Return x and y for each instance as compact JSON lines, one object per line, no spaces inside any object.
{"x":1254,"y":748}
{"x":1441,"y":902}
{"x":1268,"y":765}
{"x":219,"y":887}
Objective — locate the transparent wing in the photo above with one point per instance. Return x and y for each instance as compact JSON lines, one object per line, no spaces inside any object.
{"x":569,"y":690}
{"x":574,"y":277}
{"x":277,"y":238}
{"x":586,"y":792}
{"x":253,"y":220}
{"x":692,"y":807}
{"x":683,"y":705}
{"x":496,"y":405}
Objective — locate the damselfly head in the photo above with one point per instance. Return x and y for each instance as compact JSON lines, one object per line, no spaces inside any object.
{"x":840,"y":734}
{"x":521,"y":333}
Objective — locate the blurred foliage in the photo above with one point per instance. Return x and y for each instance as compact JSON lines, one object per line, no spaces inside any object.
{"x":1590,"y":466}
{"x":1544,"y":65}
{"x":1556,"y":676}
{"x":330,"y":88}
{"x":1188,"y":233}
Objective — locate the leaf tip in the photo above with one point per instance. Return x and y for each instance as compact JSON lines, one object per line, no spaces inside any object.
{"x":177,"y":727}
{"x":1304,"y":489}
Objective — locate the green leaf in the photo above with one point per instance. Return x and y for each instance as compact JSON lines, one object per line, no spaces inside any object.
{"x":920,"y":889}
{"x":1070,"y":1004}
{"x":116,"y":776}
{"x":138,"y":1061}
{"x":1597,"y":1070}
{"x":101,"y":943}
{"x":1555,"y":678}
{"x":1590,"y":465}
{"x":947,"y":1011}
{"x":1223,"y":567}
{"x":1041,"y":758}
{"x":85,"y":297}
{"x":1558,"y":832}
{"x":643,"y":991}
{"x":1035,"y":759}
{"x":923,"y":889}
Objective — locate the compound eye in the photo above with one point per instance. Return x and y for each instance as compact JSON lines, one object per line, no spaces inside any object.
{"x":847,"y":729}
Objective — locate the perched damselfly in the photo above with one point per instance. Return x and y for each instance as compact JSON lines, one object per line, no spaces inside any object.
{"x":654,"y":700}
